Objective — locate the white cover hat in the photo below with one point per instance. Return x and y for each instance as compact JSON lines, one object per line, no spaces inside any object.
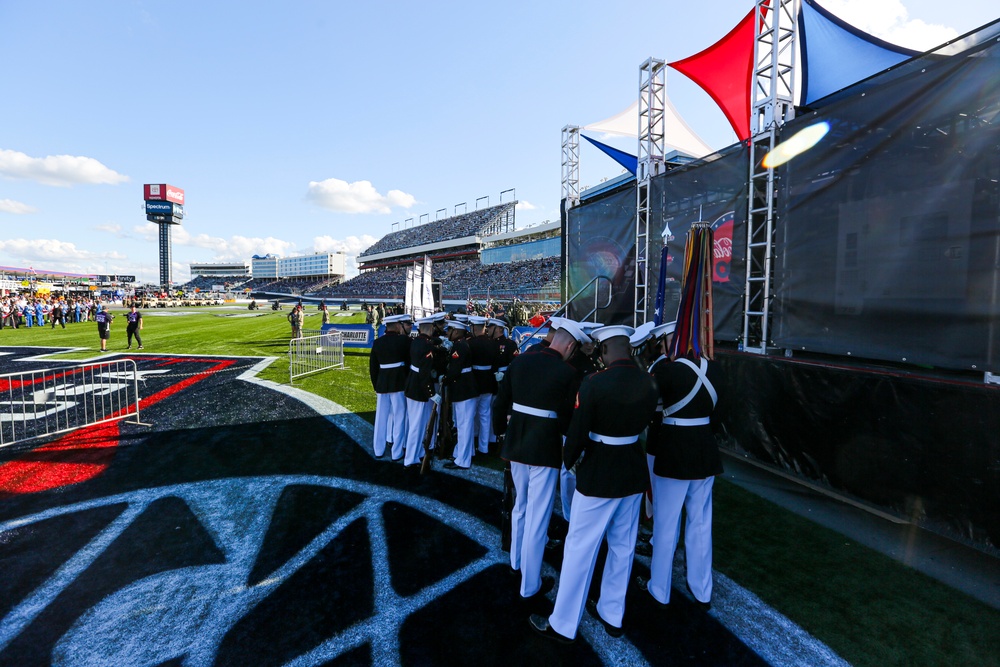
{"x":477,"y":320}
{"x":571,"y":327}
{"x":494,"y":322}
{"x":393,"y":319}
{"x":604,"y":333}
{"x":663,"y":329}
{"x":455,"y":324}
{"x":642,"y":334}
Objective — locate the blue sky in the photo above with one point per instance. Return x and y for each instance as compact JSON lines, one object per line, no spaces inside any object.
{"x":310,"y":126}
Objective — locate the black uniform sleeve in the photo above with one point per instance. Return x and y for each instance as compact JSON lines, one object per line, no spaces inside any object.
{"x":502,"y":405}
{"x":579,"y":429}
{"x":373,"y":368}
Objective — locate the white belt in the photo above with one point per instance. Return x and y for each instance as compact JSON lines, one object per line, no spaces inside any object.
{"x":467,"y":369}
{"x":537,"y":412}
{"x":395,"y":365}
{"x":695,"y":421}
{"x":482,"y":368}
{"x":414,"y":368}
{"x":502,"y":370}
{"x":613,"y":440}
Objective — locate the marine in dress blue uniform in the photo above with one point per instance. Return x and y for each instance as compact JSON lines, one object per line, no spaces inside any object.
{"x":463,"y":394}
{"x":485,"y":362}
{"x":613,"y":409}
{"x":686,"y":460}
{"x":536,"y":394}
{"x":388,"y":367}
{"x":420,"y":389}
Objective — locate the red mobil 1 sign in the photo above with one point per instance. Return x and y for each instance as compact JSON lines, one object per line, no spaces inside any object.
{"x":163,"y":192}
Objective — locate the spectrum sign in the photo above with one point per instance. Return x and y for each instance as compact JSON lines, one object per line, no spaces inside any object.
{"x":156,"y":207}
{"x":163,"y":192}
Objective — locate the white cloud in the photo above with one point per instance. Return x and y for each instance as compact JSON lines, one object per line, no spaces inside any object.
{"x":15,"y":207}
{"x":358,"y":197}
{"x":58,"y":170}
{"x":890,"y":20}
{"x":351,"y":246}
{"x":235,"y":248}
{"x":111,"y":228}
{"x":525,"y":206}
{"x":57,"y":254}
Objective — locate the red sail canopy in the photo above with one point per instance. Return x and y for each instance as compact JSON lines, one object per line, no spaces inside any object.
{"x":725,"y":71}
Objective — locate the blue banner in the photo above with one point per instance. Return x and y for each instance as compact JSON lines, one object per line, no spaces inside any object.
{"x":355,"y":335}
{"x":522,"y":336}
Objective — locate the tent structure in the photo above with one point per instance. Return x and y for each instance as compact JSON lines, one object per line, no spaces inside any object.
{"x":627,"y":160}
{"x":835,"y":54}
{"x":723,"y":70}
{"x":679,"y":135}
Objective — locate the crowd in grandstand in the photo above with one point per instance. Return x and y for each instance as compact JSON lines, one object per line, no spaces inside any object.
{"x":207,"y":283}
{"x":459,"y":226}
{"x":457,"y":277}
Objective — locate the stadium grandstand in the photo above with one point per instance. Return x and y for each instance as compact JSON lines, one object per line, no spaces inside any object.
{"x":477,"y":255}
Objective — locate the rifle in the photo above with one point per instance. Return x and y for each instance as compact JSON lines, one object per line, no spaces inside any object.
{"x":506,"y":508}
{"x":428,"y":436}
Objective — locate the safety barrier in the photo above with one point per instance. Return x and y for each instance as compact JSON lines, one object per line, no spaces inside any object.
{"x":312,"y":354}
{"x":39,"y":403}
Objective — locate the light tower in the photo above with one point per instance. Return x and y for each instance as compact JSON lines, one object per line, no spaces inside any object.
{"x":165,"y":207}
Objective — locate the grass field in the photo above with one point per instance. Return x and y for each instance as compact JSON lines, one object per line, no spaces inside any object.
{"x":867,"y":607}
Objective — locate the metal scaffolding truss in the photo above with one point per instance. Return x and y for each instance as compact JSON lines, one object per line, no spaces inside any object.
{"x":571,"y":165}
{"x":772,"y":105}
{"x":652,"y":104}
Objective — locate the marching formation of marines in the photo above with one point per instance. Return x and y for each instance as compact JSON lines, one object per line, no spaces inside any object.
{"x":604,"y":414}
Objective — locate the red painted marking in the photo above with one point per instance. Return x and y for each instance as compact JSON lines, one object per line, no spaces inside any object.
{"x":86,"y":453}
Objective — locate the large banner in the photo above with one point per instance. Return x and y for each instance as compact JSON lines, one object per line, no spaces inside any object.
{"x":714,"y":192}
{"x":600,"y":241}
{"x":889,"y":234}
{"x":354,"y":335}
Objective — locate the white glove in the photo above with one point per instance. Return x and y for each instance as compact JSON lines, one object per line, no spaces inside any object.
{"x":499,"y":375}
{"x":436,"y":398}
{"x":447,"y":344}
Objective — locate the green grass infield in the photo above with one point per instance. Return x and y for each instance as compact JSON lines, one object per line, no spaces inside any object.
{"x":870,"y":609}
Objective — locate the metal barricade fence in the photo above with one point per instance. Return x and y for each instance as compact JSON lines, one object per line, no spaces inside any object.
{"x":39,"y":403}
{"x":312,"y":354}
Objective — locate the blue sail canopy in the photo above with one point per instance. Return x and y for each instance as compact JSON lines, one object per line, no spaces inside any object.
{"x":630,"y":162}
{"x":837,"y":55}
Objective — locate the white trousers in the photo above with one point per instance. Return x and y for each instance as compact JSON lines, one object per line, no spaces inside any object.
{"x":535,"y":489}
{"x":390,"y":423}
{"x":484,"y":421}
{"x":465,"y":422}
{"x":669,"y":496}
{"x":418,"y":413}
{"x":592,"y":518}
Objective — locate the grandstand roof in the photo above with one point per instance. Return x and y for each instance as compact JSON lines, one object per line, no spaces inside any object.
{"x":541,"y":228}
{"x":474,"y":224}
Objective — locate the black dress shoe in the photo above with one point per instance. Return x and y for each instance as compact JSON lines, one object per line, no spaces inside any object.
{"x":548,"y":583}
{"x":704,"y":606}
{"x":512,"y":571}
{"x":642,"y":583}
{"x":540,"y":624}
{"x":451,"y":465}
{"x":610,"y":629}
